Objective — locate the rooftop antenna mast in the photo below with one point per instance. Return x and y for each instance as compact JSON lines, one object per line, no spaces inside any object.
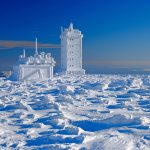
{"x":24,"y":53}
{"x":61,"y":29}
{"x":36,"y":51}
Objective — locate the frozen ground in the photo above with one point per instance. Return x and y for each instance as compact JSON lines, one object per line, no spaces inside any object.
{"x":93,"y":112}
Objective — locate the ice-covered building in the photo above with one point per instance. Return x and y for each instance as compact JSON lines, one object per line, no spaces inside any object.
{"x":71,"y":51}
{"x":37,"y":67}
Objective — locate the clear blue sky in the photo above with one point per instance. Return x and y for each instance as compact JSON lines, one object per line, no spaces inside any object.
{"x":116,"y":32}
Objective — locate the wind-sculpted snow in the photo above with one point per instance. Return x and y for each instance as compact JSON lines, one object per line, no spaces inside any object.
{"x":93,"y":112}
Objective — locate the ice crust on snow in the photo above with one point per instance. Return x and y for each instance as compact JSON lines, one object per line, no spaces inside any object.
{"x":82,"y":112}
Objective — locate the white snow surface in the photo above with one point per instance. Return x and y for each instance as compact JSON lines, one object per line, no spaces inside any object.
{"x":90,"y":112}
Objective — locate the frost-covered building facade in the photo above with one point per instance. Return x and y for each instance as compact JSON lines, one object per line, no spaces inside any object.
{"x":71,"y":51}
{"x":37,"y":67}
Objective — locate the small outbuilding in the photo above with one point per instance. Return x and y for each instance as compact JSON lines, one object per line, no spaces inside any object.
{"x":36,"y":68}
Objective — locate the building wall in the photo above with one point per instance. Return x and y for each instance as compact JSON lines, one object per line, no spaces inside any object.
{"x":33,"y":72}
{"x":63,"y":53}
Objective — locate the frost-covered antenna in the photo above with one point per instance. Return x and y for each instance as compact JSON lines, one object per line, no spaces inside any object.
{"x":36,"y":51}
{"x":24,"y":53}
{"x":61,"y":29}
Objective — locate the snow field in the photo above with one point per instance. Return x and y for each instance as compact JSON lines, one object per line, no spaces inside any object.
{"x":89,"y":112}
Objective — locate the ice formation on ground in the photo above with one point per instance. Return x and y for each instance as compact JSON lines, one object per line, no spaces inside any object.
{"x":91,"y":112}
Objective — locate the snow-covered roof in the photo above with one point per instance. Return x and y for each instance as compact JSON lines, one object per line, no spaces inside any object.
{"x":38,"y":59}
{"x":71,"y":30}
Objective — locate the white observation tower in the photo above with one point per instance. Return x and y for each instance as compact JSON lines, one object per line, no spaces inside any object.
{"x":71,"y":51}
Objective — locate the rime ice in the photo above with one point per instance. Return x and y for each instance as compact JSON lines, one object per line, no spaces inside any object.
{"x":37,"y":67}
{"x":40,"y":66}
{"x":71,"y":51}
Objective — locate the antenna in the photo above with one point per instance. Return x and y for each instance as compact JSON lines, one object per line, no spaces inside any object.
{"x":61,"y":29}
{"x":24,"y":53}
{"x":36,"y":52}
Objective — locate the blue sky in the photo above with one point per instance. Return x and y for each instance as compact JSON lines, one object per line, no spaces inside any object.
{"x":116,"y":32}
